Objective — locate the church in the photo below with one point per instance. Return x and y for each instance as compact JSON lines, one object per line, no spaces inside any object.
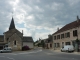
{"x":14,"y":38}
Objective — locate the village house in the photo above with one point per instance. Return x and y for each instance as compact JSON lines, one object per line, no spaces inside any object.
{"x":15,"y":39}
{"x":48,"y":42}
{"x":67,"y":35}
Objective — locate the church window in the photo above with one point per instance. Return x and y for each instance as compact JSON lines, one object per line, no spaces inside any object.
{"x":15,"y":42}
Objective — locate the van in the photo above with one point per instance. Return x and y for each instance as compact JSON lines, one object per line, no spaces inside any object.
{"x":6,"y":49}
{"x":67,"y":48}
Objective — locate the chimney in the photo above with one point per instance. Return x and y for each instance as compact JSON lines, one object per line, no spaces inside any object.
{"x":77,"y":18}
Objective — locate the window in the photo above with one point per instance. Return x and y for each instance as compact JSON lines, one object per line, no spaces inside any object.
{"x":50,"y":45}
{"x":62,"y":36}
{"x":15,"y":42}
{"x":54,"y":37}
{"x":54,"y":44}
{"x":67,"y":43}
{"x":58,"y":45}
{"x":62,"y":44}
{"x":75,"y":33}
{"x":7,"y":38}
{"x":67,"y":34}
{"x":58,"y":36}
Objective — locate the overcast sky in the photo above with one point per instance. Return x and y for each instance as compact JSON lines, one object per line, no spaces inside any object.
{"x":38,"y":18}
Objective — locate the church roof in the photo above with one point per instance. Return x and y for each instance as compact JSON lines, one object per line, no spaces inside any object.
{"x":1,"y":38}
{"x":12,"y":25}
{"x":27,"y":39}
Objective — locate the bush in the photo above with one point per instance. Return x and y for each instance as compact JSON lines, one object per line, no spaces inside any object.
{"x":25,"y":48}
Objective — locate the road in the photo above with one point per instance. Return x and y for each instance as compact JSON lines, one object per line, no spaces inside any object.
{"x":39,"y":54}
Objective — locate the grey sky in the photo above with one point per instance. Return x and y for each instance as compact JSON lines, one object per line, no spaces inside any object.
{"x":38,"y":18}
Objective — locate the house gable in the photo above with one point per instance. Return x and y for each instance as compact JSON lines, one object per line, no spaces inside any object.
{"x":18,"y":39}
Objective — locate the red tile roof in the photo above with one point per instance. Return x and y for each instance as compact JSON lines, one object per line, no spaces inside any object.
{"x":69,"y":26}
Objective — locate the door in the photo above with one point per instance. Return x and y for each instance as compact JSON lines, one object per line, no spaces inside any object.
{"x":62,"y":44}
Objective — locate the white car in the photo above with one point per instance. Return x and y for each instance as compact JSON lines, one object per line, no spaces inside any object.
{"x":7,"y":49}
{"x":67,"y":48}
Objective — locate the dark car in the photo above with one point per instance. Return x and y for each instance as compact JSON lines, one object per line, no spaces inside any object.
{"x":25,"y":48}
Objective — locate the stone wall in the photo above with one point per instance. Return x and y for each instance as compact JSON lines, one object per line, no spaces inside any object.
{"x":18,"y":40}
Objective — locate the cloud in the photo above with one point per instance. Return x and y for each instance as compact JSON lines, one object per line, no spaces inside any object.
{"x":73,"y":2}
{"x":38,"y":18}
{"x":56,"y":6}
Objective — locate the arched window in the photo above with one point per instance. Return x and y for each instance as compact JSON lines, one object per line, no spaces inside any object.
{"x":15,"y":42}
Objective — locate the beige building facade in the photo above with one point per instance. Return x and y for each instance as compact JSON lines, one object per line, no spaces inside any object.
{"x":67,"y":35}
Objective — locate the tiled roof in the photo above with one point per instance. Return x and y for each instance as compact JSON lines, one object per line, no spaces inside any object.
{"x":69,"y":26}
{"x":27,"y":39}
{"x":1,"y":38}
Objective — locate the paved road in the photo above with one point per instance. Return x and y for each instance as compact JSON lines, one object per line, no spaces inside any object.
{"x":38,"y":54}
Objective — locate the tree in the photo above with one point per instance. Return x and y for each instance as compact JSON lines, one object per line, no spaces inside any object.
{"x":35,"y":42}
{"x":43,"y":43}
{"x":77,"y":41}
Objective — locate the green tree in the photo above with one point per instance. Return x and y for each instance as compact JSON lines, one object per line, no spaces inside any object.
{"x":43,"y":43}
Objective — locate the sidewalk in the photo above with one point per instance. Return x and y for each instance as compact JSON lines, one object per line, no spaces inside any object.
{"x":58,"y":51}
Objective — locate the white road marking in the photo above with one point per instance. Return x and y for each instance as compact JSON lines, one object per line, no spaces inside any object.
{"x":10,"y":58}
{"x":23,"y":52}
{"x":30,"y":52}
{"x":10,"y":53}
{"x":14,"y":54}
{"x":48,"y":53}
{"x":2,"y":56}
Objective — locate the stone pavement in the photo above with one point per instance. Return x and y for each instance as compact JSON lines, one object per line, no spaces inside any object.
{"x":78,"y":53}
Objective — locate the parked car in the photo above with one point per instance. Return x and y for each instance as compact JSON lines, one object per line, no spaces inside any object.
{"x":25,"y":48}
{"x":6,"y":49}
{"x":67,"y":48}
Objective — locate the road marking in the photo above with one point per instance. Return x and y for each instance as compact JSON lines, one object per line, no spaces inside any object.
{"x":14,"y":54}
{"x":24,"y":52}
{"x":10,"y":53}
{"x":30,"y":52}
{"x":10,"y":58}
{"x":2,"y":56}
{"x":48,"y":53}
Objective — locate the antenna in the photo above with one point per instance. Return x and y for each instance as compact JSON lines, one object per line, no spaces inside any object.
{"x":12,"y":14}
